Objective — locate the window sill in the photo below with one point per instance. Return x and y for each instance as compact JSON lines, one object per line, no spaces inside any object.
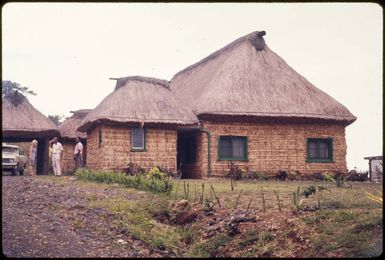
{"x":319,"y":161}
{"x":138,"y":150}
{"x":233,"y":159}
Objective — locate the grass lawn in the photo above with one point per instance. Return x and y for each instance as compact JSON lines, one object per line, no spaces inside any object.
{"x":347,"y":225}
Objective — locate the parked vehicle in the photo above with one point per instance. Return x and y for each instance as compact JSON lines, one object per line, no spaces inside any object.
{"x":13,"y":159}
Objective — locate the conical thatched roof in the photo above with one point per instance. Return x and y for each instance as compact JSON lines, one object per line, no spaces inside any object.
{"x":247,"y":78}
{"x":68,"y":129}
{"x":21,"y":119}
{"x":140,"y":99}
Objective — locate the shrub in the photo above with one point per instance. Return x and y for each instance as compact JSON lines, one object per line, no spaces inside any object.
{"x":281,"y":175}
{"x":294,"y":175}
{"x":357,"y":176}
{"x":234,"y":172}
{"x":318,"y":176}
{"x":133,"y":169}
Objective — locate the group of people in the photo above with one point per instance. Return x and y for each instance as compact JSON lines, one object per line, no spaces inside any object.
{"x":56,"y":153}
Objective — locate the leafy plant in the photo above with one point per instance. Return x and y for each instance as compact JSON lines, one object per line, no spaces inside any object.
{"x":133,"y":169}
{"x":294,"y":175}
{"x":208,"y":204}
{"x":309,"y":191}
{"x":337,"y":178}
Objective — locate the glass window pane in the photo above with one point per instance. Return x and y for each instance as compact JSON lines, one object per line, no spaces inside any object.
{"x":312,"y":149}
{"x":138,"y":138}
{"x":323,"y":150}
{"x":225,"y":147}
{"x":239,"y":147}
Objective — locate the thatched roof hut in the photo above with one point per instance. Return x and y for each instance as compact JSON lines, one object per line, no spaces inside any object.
{"x":21,"y":119}
{"x":246,"y":78}
{"x":68,"y":129}
{"x":143,"y":100}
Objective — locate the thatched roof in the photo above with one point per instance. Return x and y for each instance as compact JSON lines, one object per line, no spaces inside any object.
{"x":21,"y":119}
{"x":140,"y":99}
{"x":68,"y":127}
{"x":246,"y":78}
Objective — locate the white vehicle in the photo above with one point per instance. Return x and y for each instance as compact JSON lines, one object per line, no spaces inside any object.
{"x":13,"y":159}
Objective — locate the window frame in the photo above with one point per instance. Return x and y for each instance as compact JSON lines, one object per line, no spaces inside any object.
{"x":232,"y":158}
{"x":138,"y":149}
{"x":329,"y":142}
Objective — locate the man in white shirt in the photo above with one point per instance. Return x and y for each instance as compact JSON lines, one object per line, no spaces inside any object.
{"x":78,"y":154}
{"x":57,"y":154}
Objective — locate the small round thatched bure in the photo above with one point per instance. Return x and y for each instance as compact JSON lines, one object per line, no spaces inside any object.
{"x":246,"y":78}
{"x":21,"y":119}
{"x":68,"y":127}
{"x":143,"y":100}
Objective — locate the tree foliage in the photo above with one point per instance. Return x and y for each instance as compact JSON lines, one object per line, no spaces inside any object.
{"x":56,"y":118}
{"x":9,"y":86}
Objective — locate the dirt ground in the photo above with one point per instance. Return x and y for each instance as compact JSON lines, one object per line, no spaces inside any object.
{"x":39,"y":220}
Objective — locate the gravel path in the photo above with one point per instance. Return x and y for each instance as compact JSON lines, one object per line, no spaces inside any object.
{"x":42,"y":218}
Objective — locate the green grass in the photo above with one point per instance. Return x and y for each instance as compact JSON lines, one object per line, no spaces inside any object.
{"x":141,"y":182}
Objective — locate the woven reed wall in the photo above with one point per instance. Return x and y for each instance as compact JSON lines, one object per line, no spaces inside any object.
{"x":68,"y":162}
{"x":272,"y":147}
{"x":115,"y":152}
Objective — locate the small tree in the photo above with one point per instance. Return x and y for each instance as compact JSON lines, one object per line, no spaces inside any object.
{"x":9,"y":86}
{"x":56,"y":118}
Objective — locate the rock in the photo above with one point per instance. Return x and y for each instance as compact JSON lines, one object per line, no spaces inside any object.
{"x":181,"y":204}
{"x":290,"y":220}
{"x":72,"y":178}
{"x":210,"y":222}
{"x":137,"y":242}
{"x":121,"y":241}
{"x":186,"y":217}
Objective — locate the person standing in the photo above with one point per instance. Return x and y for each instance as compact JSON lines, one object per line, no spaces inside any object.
{"x":57,"y":154}
{"x":78,"y":154}
{"x":33,"y":157}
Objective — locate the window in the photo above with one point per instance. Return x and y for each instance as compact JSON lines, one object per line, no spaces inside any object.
{"x":319,"y":150}
{"x":232,"y":148}
{"x":137,"y":139}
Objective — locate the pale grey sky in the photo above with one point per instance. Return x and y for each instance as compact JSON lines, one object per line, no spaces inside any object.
{"x":67,"y":52}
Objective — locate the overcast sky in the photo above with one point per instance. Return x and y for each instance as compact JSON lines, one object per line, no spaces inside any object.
{"x":66,"y":52}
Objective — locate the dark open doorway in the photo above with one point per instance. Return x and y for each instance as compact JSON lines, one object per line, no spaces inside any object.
{"x":187,"y":153}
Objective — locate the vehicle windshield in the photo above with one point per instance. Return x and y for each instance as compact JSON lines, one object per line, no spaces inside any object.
{"x":9,"y":150}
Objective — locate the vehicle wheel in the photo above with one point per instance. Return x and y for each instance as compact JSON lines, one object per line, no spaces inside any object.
{"x":21,"y":171}
{"x":13,"y":172}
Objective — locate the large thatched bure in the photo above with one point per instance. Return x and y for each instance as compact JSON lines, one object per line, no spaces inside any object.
{"x":21,"y":122}
{"x":136,"y":123}
{"x":68,"y":133}
{"x":259,"y":112}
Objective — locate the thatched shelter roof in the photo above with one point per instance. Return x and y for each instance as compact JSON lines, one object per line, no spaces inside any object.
{"x":21,"y":119}
{"x":246,"y":78}
{"x":68,"y":129}
{"x":143,"y":100}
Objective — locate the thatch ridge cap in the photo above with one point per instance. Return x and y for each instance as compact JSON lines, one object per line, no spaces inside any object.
{"x":226,"y":48}
{"x":121,"y":81}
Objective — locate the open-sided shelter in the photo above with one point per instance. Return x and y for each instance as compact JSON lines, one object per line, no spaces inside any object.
{"x":22,"y":123}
